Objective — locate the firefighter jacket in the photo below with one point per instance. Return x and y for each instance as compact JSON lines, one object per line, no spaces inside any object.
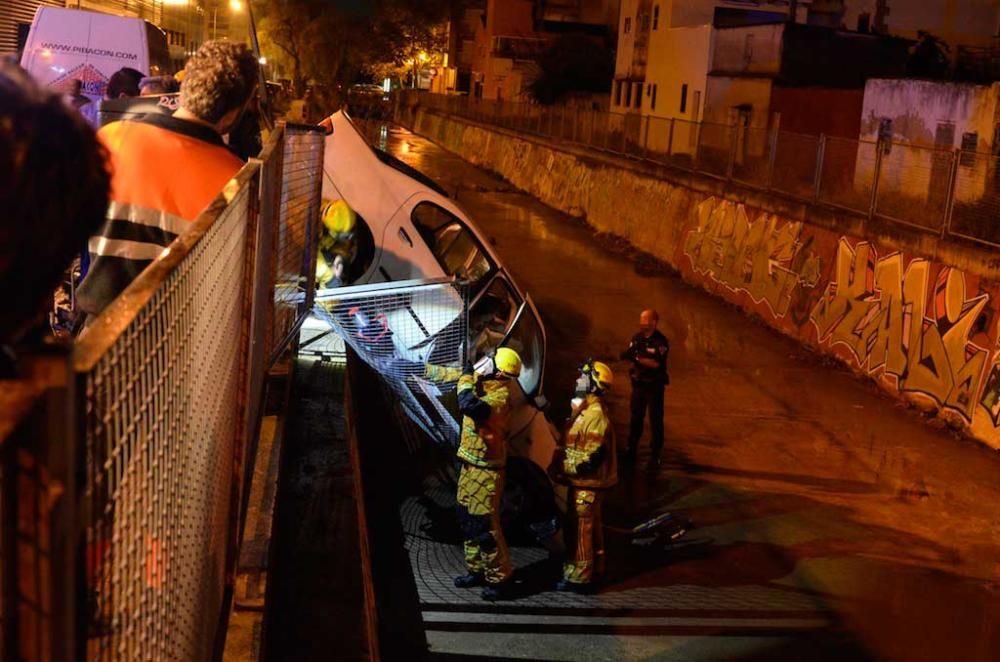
{"x":485,"y":407}
{"x":165,"y":171}
{"x":588,"y":458}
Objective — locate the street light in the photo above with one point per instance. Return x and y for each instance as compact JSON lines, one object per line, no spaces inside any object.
{"x":234,"y":6}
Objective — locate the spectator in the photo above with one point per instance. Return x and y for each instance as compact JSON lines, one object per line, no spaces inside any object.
{"x":155,"y":85}
{"x":54,"y":189}
{"x":167,"y":169}
{"x":83,"y":104}
{"x":123,"y":83}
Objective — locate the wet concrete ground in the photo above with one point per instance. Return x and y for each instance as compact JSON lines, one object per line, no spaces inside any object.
{"x":816,"y":497}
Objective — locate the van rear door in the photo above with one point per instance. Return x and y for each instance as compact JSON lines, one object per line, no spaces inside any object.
{"x":67,"y":44}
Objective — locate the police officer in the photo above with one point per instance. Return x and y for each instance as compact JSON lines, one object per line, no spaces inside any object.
{"x":587,"y":463}
{"x":484,"y":401}
{"x":648,"y":353}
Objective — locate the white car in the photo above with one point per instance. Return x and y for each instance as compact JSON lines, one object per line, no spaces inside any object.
{"x":417,"y":233}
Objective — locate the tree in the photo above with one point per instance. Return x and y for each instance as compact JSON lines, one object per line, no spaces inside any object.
{"x":333,"y":41}
{"x":572,"y":63}
{"x":929,"y":58}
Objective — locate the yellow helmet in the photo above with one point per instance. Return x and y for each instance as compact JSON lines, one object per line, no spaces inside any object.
{"x":508,"y":362}
{"x":338,"y":217}
{"x":603,"y":375}
{"x":600,"y":373}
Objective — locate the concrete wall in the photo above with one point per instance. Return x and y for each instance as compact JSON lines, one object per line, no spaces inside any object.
{"x":725,"y":94}
{"x":750,"y":50}
{"x":917,"y":109}
{"x":813,"y":110}
{"x":914,"y":313}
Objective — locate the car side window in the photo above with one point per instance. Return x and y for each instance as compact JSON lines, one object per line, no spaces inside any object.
{"x":453,"y":244}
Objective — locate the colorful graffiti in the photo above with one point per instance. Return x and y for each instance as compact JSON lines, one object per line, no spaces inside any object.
{"x":765,"y":258}
{"x":900,"y":322}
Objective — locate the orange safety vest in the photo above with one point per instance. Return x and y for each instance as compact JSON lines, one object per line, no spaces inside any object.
{"x":165,"y":171}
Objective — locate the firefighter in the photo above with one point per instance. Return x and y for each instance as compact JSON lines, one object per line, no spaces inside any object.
{"x":586,"y":462}
{"x":484,"y":401}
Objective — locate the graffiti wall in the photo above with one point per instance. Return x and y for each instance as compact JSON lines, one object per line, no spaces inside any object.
{"x":923,"y":330}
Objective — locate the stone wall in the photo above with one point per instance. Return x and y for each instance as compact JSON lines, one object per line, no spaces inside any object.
{"x":914,"y":313}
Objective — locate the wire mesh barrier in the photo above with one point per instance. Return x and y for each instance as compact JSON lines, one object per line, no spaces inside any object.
{"x":412,"y":333}
{"x":914,"y":184}
{"x":917,"y":186}
{"x":976,"y":207}
{"x":848,"y":174}
{"x":37,"y":550}
{"x":298,"y":213}
{"x":164,"y":394}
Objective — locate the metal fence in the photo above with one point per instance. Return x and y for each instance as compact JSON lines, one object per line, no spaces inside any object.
{"x":944,"y":191}
{"x":401,"y":328}
{"x":164,"y":395}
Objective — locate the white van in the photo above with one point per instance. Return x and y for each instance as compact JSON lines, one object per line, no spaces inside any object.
{"x":68,"y":44}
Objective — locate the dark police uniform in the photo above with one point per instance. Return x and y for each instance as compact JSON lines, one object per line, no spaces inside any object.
{"x":647,"y":388}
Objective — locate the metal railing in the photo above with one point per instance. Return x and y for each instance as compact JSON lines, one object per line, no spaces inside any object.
{"x":164,"y":398}
{"x":944,"y":191}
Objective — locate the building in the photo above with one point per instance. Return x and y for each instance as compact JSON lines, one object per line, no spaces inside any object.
{"x":513,"y":34}
{"x":797,"y":78}
{"x":922,"y":118}
{"x":664,"y":51}
{"x":15,"y":21}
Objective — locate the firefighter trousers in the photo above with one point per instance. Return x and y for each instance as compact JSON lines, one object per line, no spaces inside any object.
{"x":585,"y":558}
{"x":479,"y":493}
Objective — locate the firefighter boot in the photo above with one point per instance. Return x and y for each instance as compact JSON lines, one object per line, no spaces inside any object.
{"x":494,"y":592}
{"x":470,"y":580}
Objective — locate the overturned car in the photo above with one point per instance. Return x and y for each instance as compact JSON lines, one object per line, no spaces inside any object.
{"x":407,"y":280}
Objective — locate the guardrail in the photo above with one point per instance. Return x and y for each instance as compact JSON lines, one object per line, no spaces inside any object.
{"x":950,"y":192}
{"x":162,"y":400}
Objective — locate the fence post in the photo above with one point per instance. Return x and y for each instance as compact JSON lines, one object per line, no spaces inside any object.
{"x":820,"y":156}
{"x":949,"y":207}
{"x":645,"y":138}
{"x":734,"y":132}
{"x":772,"y":153}
{"x":670,"y":138}
{"x":624,"y":134}
{"x":873,"y":204}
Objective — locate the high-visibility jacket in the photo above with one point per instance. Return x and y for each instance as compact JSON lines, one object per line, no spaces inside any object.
{"x":588,"y":457}
{"x":485,"y":407}
{"x":165,"y":171}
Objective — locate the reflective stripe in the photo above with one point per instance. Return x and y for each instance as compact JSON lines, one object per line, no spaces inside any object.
{"x":132,"y":250}
{"x":155,"y":218}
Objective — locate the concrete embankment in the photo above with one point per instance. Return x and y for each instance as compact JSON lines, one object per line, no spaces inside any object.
{"x":913,"y":311}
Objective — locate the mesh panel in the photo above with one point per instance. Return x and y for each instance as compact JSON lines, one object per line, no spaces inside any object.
{"x":301,"y":178}
{"x":714,"y":148}
{"x":795,"y":164}
{"x":976,"y":212}
{"x":161,"y":425}
{"x":848,"y":173}
{"x":401,"y":328}
{"x":752,"y":155}
{"x":913,"y":185}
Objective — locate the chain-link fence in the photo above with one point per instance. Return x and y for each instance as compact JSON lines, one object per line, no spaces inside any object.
{"x":164,"y":393}
{"x":937,"y":190}
{"x":414,"y":334}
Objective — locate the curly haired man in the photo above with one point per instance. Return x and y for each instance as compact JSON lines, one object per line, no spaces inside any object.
{"x":167,"y":169}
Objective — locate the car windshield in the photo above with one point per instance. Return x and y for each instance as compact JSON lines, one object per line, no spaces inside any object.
{"x":528,"y":340}
{"x":453,"y":244}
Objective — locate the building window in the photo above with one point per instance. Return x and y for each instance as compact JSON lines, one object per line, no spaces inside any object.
{"x":652,"y":101}
{"x":656,"y":16}
{"x":684,"y":98}
{"x":628,"y":24}
{"x":628,"y":95}
{"x":638,"y":95}
{"x":970,"y":143}
{"x":618,"y":93}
